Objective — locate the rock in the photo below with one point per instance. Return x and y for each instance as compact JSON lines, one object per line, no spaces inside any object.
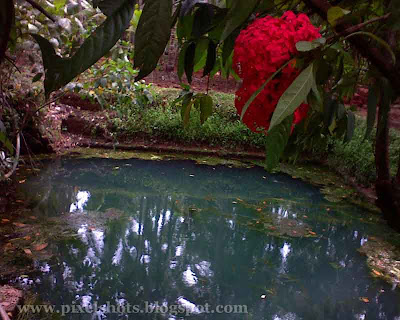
{"x":10,"y":298}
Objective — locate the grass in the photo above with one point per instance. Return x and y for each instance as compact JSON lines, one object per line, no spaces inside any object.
{"x":356,"y":158}
{"x":161,"y":119}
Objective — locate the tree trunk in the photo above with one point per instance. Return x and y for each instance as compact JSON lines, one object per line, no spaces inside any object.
{"x":387,"y":189}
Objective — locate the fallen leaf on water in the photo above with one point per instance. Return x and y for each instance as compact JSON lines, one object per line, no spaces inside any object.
{"x":312,"y":233}
{"x":364,"y":299}
{"x":40,"y":247}
{"x":376,"y":272}
{"x":20,"y":225}
{"x":28,"y":252}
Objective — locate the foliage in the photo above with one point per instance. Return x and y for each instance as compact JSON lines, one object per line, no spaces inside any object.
{"x":163,"y":120}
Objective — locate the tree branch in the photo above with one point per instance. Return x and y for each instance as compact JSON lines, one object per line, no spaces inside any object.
{"x":362,"y":25}
{"x":398,"y":172}
{"x":374,"y":55}
{"x":41,"y":9}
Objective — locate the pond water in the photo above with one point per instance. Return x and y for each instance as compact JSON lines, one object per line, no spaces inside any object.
{"x":179,"y":240}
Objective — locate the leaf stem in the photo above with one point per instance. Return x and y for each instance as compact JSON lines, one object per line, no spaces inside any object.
{"x":41,"y":9}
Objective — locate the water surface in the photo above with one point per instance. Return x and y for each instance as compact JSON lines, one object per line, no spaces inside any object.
{"x":182,"y":235}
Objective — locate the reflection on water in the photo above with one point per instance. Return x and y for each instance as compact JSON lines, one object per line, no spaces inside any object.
{"x":189,"y":236}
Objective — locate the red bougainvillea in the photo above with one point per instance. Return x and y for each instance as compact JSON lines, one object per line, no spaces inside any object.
{"x":261,"y":49}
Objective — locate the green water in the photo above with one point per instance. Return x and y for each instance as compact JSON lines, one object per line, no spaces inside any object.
{"x":168,"y":236}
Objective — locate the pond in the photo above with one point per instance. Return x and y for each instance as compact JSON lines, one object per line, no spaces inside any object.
{"x":179,"y":240}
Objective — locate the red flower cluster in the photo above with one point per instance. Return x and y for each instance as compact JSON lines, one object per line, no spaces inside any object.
{"x":261,"y":49}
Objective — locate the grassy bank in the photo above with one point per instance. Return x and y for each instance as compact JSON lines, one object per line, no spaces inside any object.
{"x":160,"y":119}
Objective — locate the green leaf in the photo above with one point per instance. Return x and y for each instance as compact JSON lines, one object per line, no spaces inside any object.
{"x":187,"y":104}
{"x":295,"y":95}
{"x":37,"y":77}
{"x":377,"y":39}
{"x":211,"y":58}
{"x":255,"y":94}
{"x":59,"y":6}
{"x":351,"y":123}
{"x":276,"y":141}
{"x":152,"y":35}
{"x":7,"y":17}
{"x":304,"y":46}
{"x":108,"y":7}
{"x":200,"y":56}
{"x":6,"y":142}
{"x":237,"y":15}
{"x":206,"y":107}
{"x":61,"y":71}
{"x":189,"y":60}
{"x":335,"y":13}
{"x":373,"y":94}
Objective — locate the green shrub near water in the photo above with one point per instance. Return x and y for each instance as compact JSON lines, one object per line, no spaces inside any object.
{"x":224,"y":128}
{"x":161,"y":119}
{"x":356,"y":158}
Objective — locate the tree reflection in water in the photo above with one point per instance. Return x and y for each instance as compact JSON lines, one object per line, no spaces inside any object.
{"x":194,"y":235}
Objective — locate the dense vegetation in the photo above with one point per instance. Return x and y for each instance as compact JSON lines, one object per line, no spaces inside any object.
{"x":358,"y":44}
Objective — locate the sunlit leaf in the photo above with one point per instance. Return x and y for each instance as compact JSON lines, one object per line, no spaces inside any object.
{"x":238,"y":13}
{"x":335,"y":13}
{"x":206,"y":107}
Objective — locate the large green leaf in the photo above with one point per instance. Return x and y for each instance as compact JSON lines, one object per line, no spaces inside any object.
{"x":152,"y":35}
{"x":108,"y":7}
{"x":276,"y":142}
{"x":61,"y":71}
{"x":211,"y":58}
{"x":237,"y":15}
{"x":7,"y":16}
{"x":189,"y":61}
{"x":295,"y":95}
{"x":373,"y":95}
